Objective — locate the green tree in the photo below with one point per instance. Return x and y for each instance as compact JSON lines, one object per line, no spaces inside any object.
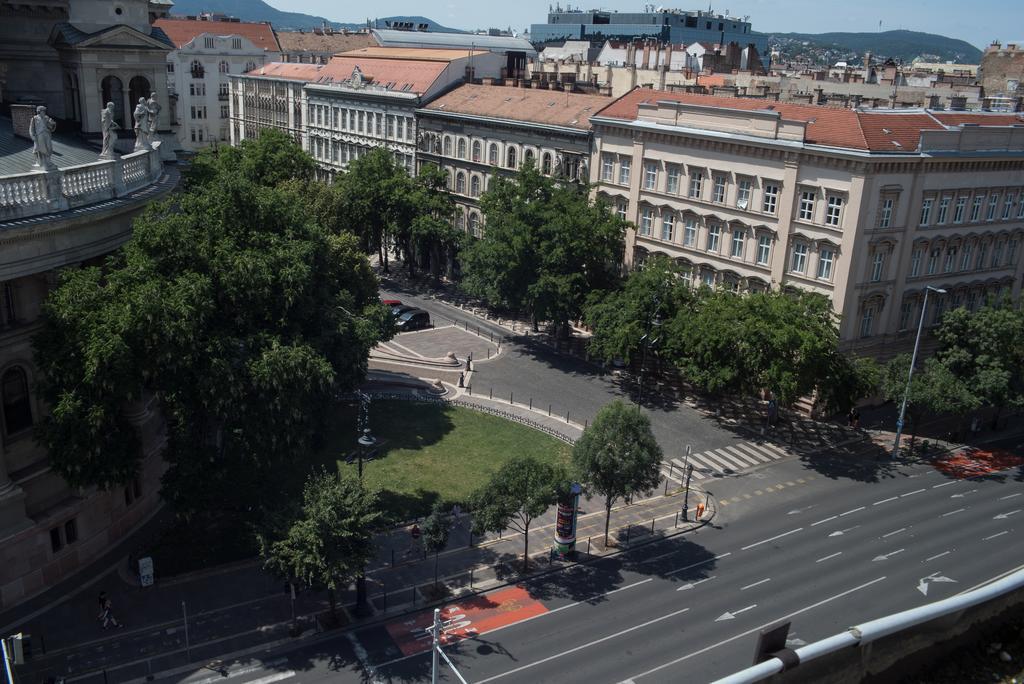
{"x":270,"y":159}
{"x":327,"y":542}
{"x":617,"y":456}
{"x":520,"y":491}
{"x":934,"y":389}
{"x":620,"y":318}
{"x":986,"y":351}
{"x":231,"y":306}
{"x":547,"y":247}
{"x":435,"y":530}
{"x":375,"y":200}
{"x":432,"y":236}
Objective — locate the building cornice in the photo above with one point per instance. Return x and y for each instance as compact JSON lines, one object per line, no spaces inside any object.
{"x":511,"y":123}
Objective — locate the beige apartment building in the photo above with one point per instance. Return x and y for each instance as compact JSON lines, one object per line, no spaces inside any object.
{"x":867,"y":207}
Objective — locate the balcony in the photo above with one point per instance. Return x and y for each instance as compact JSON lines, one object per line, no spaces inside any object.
{"x":223,"y":97}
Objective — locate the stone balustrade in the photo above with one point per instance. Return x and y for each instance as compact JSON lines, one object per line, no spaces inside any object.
{"x":39,"y":192}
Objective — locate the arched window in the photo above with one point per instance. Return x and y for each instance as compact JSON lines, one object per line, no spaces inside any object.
{"x":528,"y":156}
{"x":462,"y":148}
{"x":447,"y":146}
{"x":16,"y":401}
{"x":460,"y":220}
{"x":510,"y":161}
{"x":492,"y":155}
{"x":113,"y":91}
{"x":474,"y":224}
{"x":138,"y":87}
{"x":545,"y":164}
{"x":197,"y":69}
{"x":250,"y":66}
{"x":224,"y":68}
{"x":476,"y":150}
{"x":474,"y":186}
{"x":460,"y":183}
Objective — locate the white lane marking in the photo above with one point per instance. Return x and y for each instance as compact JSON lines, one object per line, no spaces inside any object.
{"x":751,"y":586}
{"x":1004,"y":516}
{"x":962,"y":494}
{"x":736,"y":453}
{"x":853,"y":511}
{"x":737,"y":464}
{"x":831,"y":517}
{"x":363,"y":657}
{"x":902,"y":529}
{"x":595,"y":642}
{"x":1008,"y":496}
{"x":703,"y":562}
{"x":891,"y":498}
{"x":765,"y":541}
{"x":772,"y":448}
{"x":837,"y":553}
{"x":743,"y":446}
{"x":273,"y":678}
{"x":247,"y":670}
{"x":888,"y":555}
{"x":713,"y":459}
{"x":839,"y":533}
{"x":999,"y":534}
{"x":691,"y":585}
{"x":944,"y":484}
{"x":990,"y":580}
{"x":754,"y":630}
{"x":959,"y":510}
{"x":731,"y":615}
{"x":916,"y":491}
{"x":938,"y":555}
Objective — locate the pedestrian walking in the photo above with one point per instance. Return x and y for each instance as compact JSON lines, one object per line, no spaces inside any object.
{"x":106,"y":616}
{"x":849,"y":418}
{"x":855,"y":414}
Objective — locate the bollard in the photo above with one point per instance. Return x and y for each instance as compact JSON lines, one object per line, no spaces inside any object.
{"x":467,"y":326}
{"x":531,"y":403}
{"x":666,"y":487}
{"x":510,"y":398}
{"x":588,"y":546}
{"x":490,"y":394}
{"x":471,"y":579}
{"x":413,"y":590}
{"x":491,"y":333}
{"x":652,"y":525}
{"x":675,"y":523}
{"x":470,"y":388}
{"x":549,"y":410}
{"x":566,"y":416}
{"x":470,"y":539}
{"x":586,"y":424}
{"x":628,"y":527}
{"x":392,"y":558}
{"x":671,"y":465}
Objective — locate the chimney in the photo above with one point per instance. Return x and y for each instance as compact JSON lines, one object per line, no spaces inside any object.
{"x":855,"y":101}
{"x":647,"y":55}
{"x":668,"y":56}
{"x":819,"y":96}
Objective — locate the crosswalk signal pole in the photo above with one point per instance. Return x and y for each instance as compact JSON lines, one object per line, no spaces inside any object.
{"x":686,"y":495}
{"x":436,"y":633}
{"x":7,"y":661}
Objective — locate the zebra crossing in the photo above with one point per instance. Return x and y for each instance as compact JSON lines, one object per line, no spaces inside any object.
{"x":723,"y":461}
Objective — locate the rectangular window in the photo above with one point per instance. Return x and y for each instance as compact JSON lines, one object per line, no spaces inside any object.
{"x":55,"y":542}
{"x":737,"y":243}
{"x":624,"y":168}
{"x":607,"y":168}
{"x":798,"y":264}
{"x":690,"y":233}
{"x":170,"y":67}
{"x":696,"y":183}
{"x":885,"y":215}
{"x":71,"y":531}
{"x":646,"y":220}
{"x":391,"y":127}
{"x":673,"y":179}
{"x":209,"y":43}
{"x":621,"y":210}
{"x":943,"y":210}
{"x":224,"y":112}
{"x":668,"y":226}
{"x":771,"y":198}
{"x":650,"y":176}
{"x":993,"y":204}
{"x":764,"y":249}
{"x":714,"y":235}
{"x":940,"y":308}
{"x":959,"y":208}
{"x":972,"y":300}
{"x":979,"y":264}
{"x":926,"y":211}
{"x":877,"y":266}
{"x":719,"y":190}
{"x":743,"y":190}
{"x":834,"y":211}
{"x":807,"y":205}
{"x":915,"y":263}
{"x":933,"y":260}
{"x":826,"y":257}
{"x":976,"y":207}
{"x":867,"y":321}
{"x":1020,"y":205}
{"x":906,"y":311}
{"x":1011,"y":256}
{"x":950,"y":263}
{"x":997,"y":254}
{"x":965,"y":258}
{"x":1008,"y":206}
{"x":236,"y":43}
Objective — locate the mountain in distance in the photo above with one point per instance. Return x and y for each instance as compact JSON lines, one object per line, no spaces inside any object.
{"x":898,"y":45}
{"x":257,"y":10}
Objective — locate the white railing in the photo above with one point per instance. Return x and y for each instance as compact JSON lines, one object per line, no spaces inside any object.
{"x":39,"y":192}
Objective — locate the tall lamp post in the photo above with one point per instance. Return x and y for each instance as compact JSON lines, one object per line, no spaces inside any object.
{"x":910,"y":374}
{"x":366,"y":440}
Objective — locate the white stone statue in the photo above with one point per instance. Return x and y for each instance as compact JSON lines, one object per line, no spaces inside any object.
{"x":40,"y":129}
{"x":141,"y":125}
{"x":109,"y":127}
{"x":154,"y":116}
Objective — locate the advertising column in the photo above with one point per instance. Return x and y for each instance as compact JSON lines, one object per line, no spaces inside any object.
{"x":565,"y":523}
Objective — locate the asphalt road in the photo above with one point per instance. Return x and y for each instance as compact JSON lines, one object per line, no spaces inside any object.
{"x":831,"y":552}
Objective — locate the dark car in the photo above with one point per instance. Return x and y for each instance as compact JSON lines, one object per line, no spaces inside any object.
{"x":400,"y":309}
{"x":414,"y":319}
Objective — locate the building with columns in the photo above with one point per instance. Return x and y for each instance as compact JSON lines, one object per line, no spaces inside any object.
{"x":208,"y":51}
{"x":867,"y":207}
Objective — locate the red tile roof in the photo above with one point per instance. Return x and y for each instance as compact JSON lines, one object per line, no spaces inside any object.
{"x":183,"y":31}
{"x":521,"y":104}
{"x":876,"y":131}
{"x":400,"y":75}
{"x":292,"y":71}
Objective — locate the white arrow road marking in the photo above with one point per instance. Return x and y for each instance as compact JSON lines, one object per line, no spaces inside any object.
{"x":888,"y":555}
{"x":839,"y":533}
{"x":837,"y":553}
{"x":729,"y":616}
{"x":962,"y":494}
{"x":1000,"y":534}
{"x":940,"y":555}
{"x":801,"y":510}
{"x":793,"y":642}
{"x":922,"y":584}
{"x":1004,"y":516}
{"x":691,"y":585}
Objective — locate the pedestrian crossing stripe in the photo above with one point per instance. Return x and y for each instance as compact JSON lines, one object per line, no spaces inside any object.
{"x":732,"y":458}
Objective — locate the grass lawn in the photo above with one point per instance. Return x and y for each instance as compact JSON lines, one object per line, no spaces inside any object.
{"x":429,"y":452}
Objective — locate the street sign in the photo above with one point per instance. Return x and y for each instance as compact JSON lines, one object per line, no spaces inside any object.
{"x":146,"y":571}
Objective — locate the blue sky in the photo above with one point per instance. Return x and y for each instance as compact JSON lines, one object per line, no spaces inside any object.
{"x":978,"y":22}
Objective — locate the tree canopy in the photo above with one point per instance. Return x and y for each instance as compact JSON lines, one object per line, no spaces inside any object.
{"x":230,"y":304}
{"x":547,"y":246}
{"x":934,"y":389}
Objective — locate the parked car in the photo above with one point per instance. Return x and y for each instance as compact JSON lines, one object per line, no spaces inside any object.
{"x":391,"y":302}
{"x":414,"y":319}
{"x":400,"y":309}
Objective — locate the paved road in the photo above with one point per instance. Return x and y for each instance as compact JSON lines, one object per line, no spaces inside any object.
{"x":825,"y":553}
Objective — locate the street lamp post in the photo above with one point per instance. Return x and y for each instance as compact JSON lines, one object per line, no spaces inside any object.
{"x":652,"y":322}
{"x":910,"y":374}
{"x":366,"y":440}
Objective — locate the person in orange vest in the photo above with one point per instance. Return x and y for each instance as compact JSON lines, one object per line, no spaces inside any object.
{"x":700,"y":510}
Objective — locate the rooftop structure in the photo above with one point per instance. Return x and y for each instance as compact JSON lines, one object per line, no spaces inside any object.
{"x":537,"y":107}
{"x":421,"y":39}
{"x":320,"y":45}
{"x":183,"y":31}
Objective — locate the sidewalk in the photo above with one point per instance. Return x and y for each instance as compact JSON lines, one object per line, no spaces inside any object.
{"x":238,"y":606}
